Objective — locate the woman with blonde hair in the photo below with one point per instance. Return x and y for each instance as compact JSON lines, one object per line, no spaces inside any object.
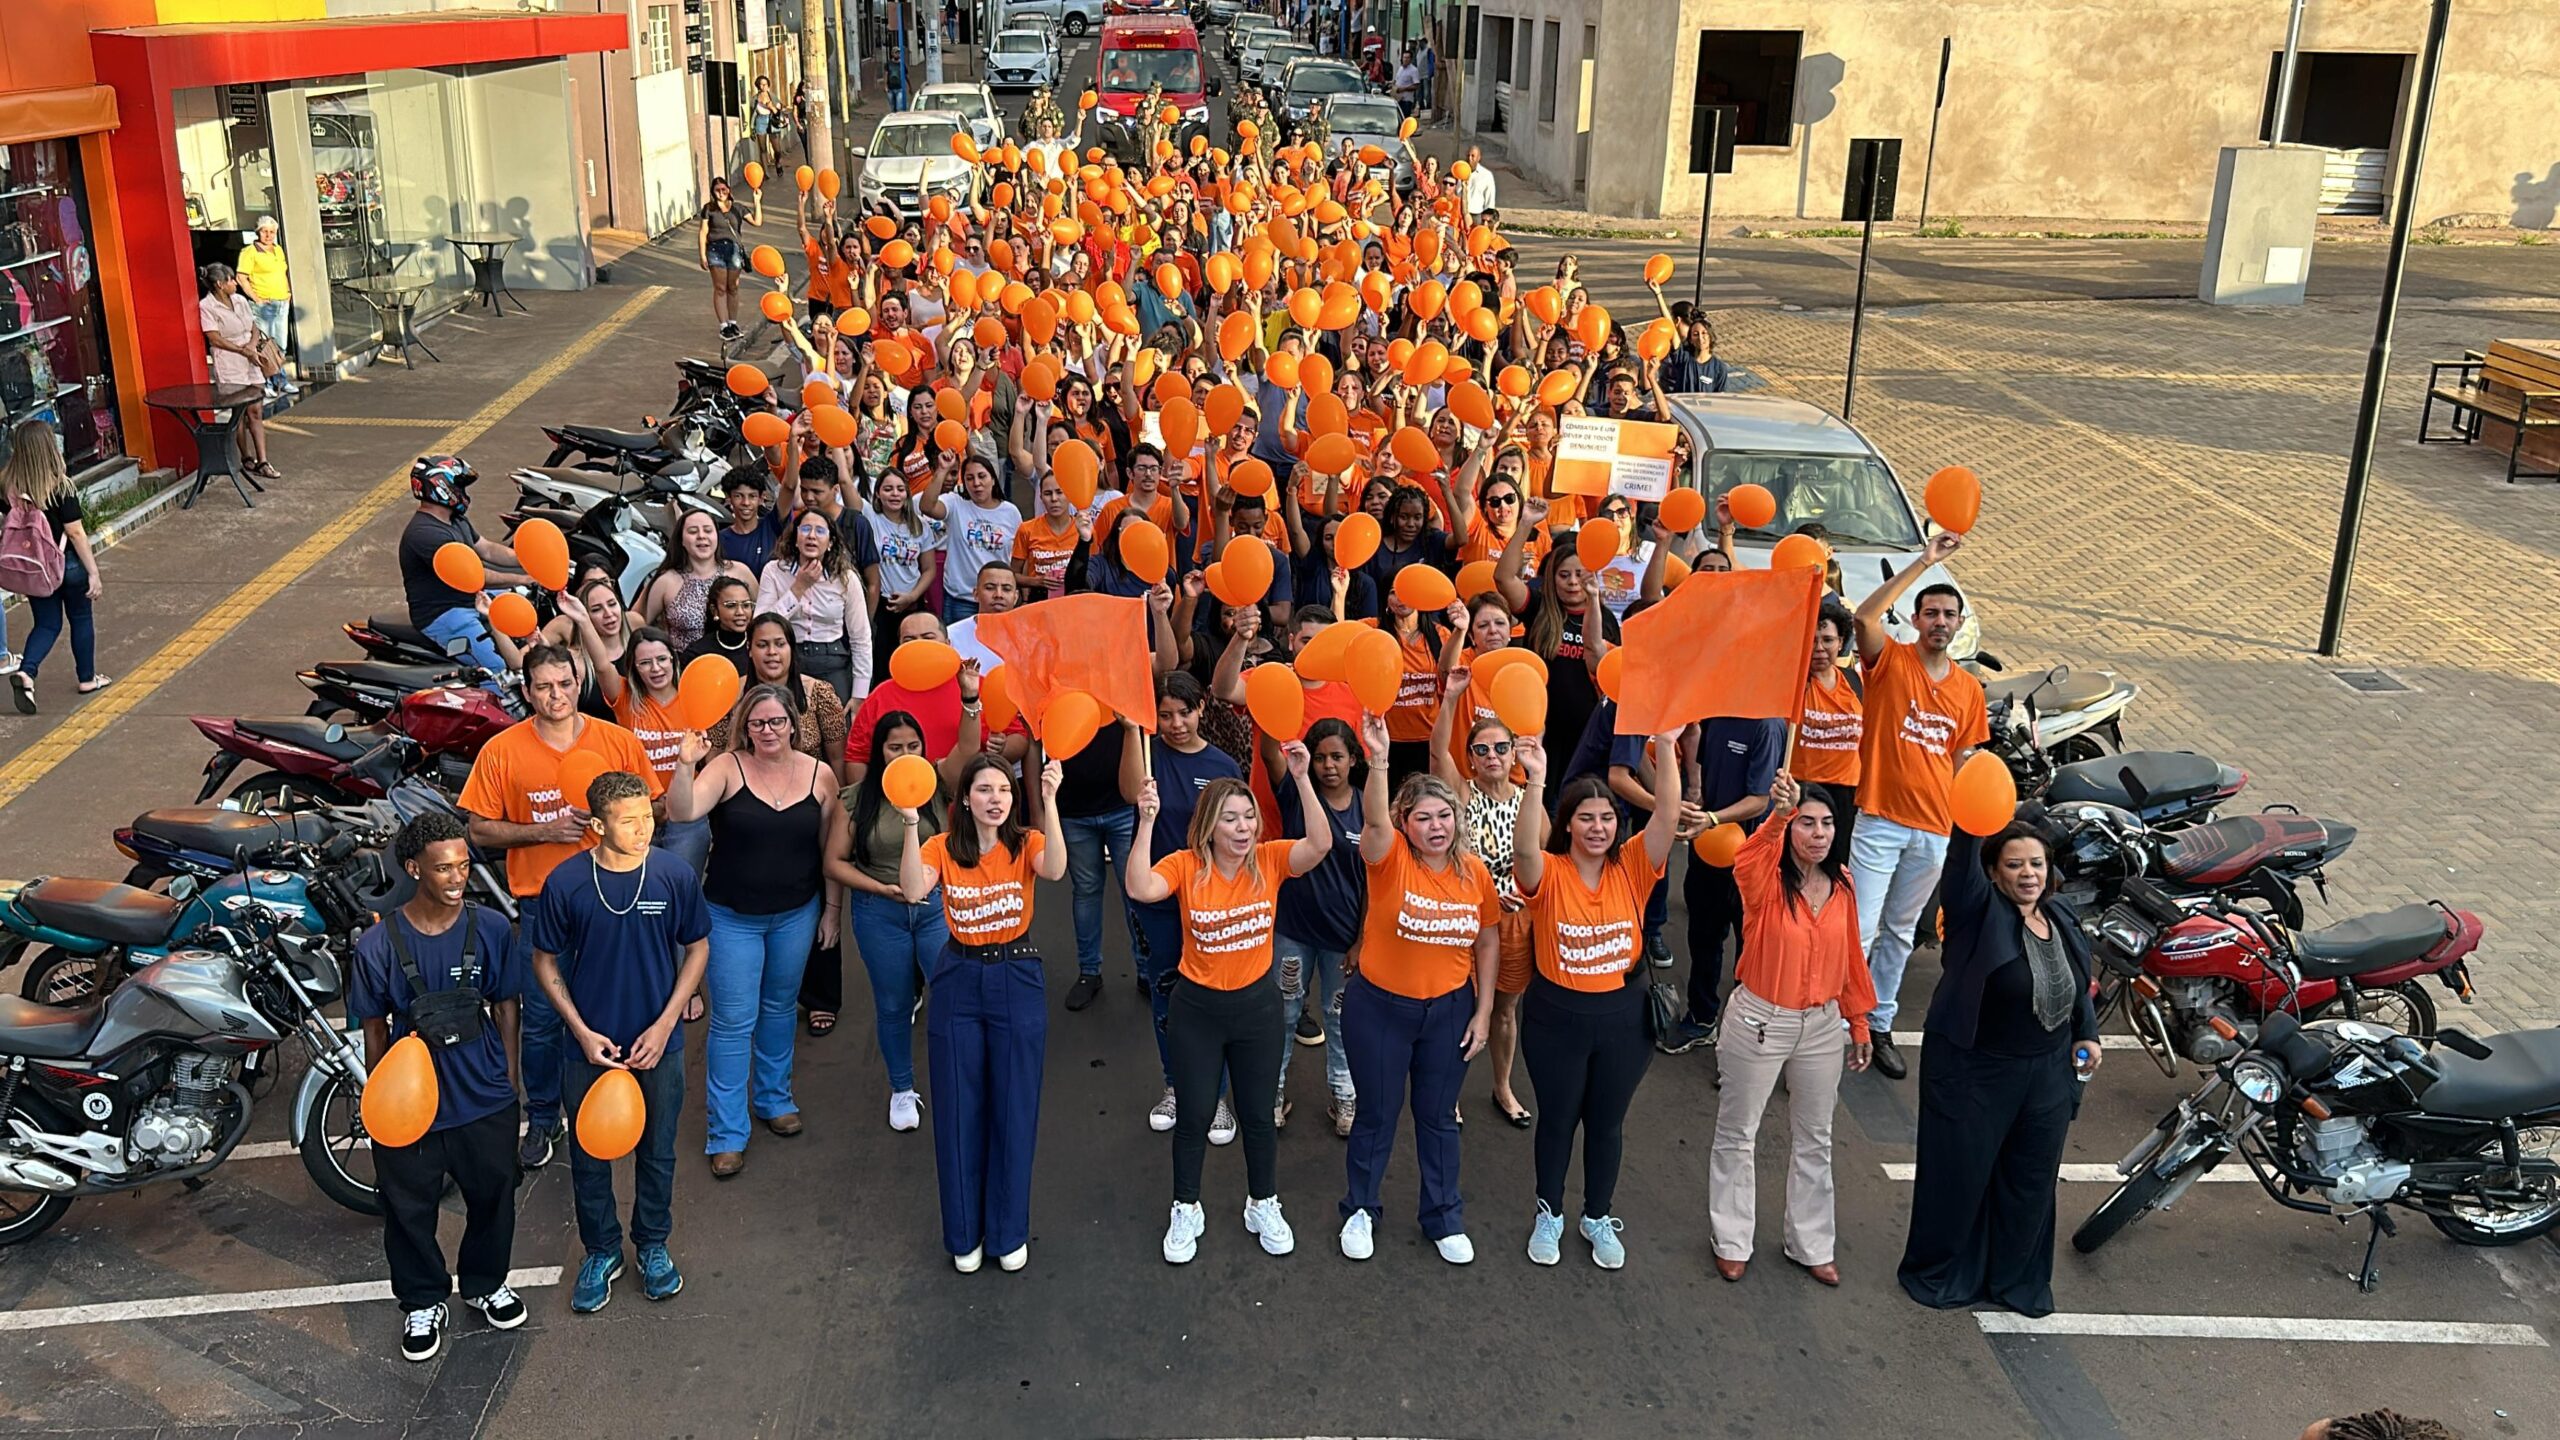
{"x":1492,"y":813}
{"x":1223,"y":1018}
{"x":34,"y":479}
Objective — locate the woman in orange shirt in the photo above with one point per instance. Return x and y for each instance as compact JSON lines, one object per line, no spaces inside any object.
{"x":990,"y":1019}
{"x":1419,"y":639}
{"x":1422,"y":1004}
{"x":1223,"y":1019}
{"x":1582,"y":1025}
{"x":1834,"y":724}
{"x":1799,"y":1011}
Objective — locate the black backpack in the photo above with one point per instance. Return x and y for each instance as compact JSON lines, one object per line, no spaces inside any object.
{"x":444,"y":1018}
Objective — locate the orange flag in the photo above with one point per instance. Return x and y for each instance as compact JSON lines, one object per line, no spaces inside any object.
{"x":1094,"y":643}
{"x":1729,"y":645}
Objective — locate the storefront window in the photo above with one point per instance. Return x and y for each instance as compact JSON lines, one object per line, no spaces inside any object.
{"x":382,"y":155}
{"x":53,"y":351}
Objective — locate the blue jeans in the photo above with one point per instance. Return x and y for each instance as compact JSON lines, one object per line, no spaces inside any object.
{"x":1393,"y":1040}
{"x":687,"y":840}
{"x":990,"y":1032}
{"x":754,"y":982}
{"x":1893,"y":868}
{"x":543,"y":1047}
{"x":272,"y":316}
{"x":653,"y":1161}
{"x":67,"y":605}
{"x":897,"y":941}
{"x":455,"y":625}
{"x":1089,"y":838}
{"x":1159,"y":965}
{"x":1300,"y":963}
{"x":956,"y":608}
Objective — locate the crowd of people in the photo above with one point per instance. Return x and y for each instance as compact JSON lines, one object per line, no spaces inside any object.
{"x":1272,"y":406}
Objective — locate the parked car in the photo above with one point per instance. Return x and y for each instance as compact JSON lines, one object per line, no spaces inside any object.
{"x":1221,"y":12}
{"x":1364,"y":120}
{"x":1271,"y":61}
{"x":971,"y":102}
{"x":909,"y":160}
{"x":1823,"y":472}
{"x":1242,"y":32}
{"x":1307,"y":82}
{"x":1073,"y":17}
{"x":1021,"y":59}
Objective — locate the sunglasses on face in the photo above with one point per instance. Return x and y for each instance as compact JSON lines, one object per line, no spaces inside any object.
{"x":1497,"y":501}
{"x":1487,"y":750}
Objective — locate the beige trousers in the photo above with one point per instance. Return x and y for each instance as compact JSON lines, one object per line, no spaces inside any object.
{"x":1756,"y":1044}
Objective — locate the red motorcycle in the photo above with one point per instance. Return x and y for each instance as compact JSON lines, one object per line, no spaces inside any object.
{"x":2196,"y":977}
{"x":312,"y":762}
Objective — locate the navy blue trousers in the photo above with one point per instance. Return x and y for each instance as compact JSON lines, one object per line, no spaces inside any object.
{"x":988,"y":1030}
{"x":1393,"y":1041}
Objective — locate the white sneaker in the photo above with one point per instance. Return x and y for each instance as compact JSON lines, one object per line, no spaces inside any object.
{"x":1160,"y":1119}
{"x":8,"y":664}
{"x":1358,"y":1241}
{"x":1014,"y":1259}
{"x":1262,"y":1217}
{"x":1182,"y":1232}
{"x":906,"y":1110}
{"x":968,"y":1264}
{"x":1456,"y":1249}
{"x":1222,"y":1126}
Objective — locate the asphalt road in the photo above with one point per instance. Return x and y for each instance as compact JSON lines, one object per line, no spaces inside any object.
{"x":817,"y":1302}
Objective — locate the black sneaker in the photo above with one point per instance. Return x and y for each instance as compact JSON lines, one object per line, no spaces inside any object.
{"x":502,"y":1308}
{"x":538,"y":1145}
{"x":1657,"y":954}
{"x":1888,"y":1059}
{"x":422,"y":1336}
{"x":1310,"y":1029}
{"x":729,"y":330}
{"x":1086,"y":990}
{"x":1691,"y":1033}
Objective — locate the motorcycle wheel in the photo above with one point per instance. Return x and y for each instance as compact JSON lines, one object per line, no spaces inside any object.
{"x":2133,"y":1199}
{"x":2405,"y":1007}
{"x":2499,"y":1227}
{"x":273,"y":792}
{"x":2087,"y":745}
{"x":26,"y":1214}
{"x":335,"y":1150}
{"x":57,"y":977}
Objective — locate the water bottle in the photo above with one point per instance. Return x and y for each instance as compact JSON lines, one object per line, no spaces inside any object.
{"x":2080,"y":1054}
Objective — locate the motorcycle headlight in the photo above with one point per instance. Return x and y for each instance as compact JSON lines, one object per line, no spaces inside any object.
{"x":2258,"y":1080}
{"x":2123,"y":937}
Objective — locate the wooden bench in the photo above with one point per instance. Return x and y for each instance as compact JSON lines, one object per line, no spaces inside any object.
{"x":2476,"y":396}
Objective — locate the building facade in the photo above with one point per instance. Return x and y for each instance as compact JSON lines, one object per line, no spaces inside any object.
{"x":2113,"y":111}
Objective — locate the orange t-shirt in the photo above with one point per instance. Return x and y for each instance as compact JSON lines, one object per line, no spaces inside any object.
{"x":1419,"y":939}
{"x":1587,"y":938}
{"x":516,"y":778}
{"x":1041,"y":550}
{"x":658,"y":728}
{"x":987,"y":903}
{"x":1160,"y":511}
{"x":1226,"y":924}
{"x":1482,"y":544}
{"x":1907,"y":755}
{"x":1827,"y":739}
{"x":1418,"y":694}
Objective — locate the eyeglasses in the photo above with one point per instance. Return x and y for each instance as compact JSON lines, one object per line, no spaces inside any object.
{"x":1494,"y":501}
{"x":770,"y":722}
{"x":1489,"y":749}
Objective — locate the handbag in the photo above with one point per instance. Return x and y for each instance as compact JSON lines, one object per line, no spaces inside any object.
{"x":270,"y":359}
{"x":445,"y":1018}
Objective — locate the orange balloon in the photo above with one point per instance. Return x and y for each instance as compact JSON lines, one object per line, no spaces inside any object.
{"x":835,"y":426}
{"x":1954,"y":498}
{"x":897,"y":254}
{"x":1596,"y":543}
{"x":1718,"y":846}
{"x":1040,"y":380}
{"x":995,"y":697}
{"x":1475,"y":578}
{"x":755,"y":176}
{"x":1223,"y":407}
{"x":1331,"y":454}
{"x":400,"y":1099}
{"x":1428,"y":297}
{"x":1306,"y":308}
{"x":1414,"y":450}
{"x":989,"y":333}
{"x":1752,"y":505}
{"x":1428,"y":359}
{"x":816,"y":393}
{"x":1545,"y":304}
{"x":613,"y":1113}
{"x":513,"y":616}
{"x":1472,"y":406}
{"x":1559,"y":386}
{"x":766,"y":261}
{"x":1223,"y":272}
{"x":1341,"y":309}
{"x":1683,"y":510}
{"x":806,"y":178}
{"x":1520,"y":700}
{"x":1654,"y":341}
{"x":1069,"y":722}
{"x":909,"y":781}
{"x":1488,"y":667}
{"x":543,"y":552}
{"x":965,"y":146}
{"x":1422,"y":587}
{"x":1039,"y":320}
{"x":951,"y":436}
{"x":1144,"y":551}
{"x":458,"y":565}
{"x":1799,"y":551}
{"x":764,"y":430}
{"x":1327,"y":415}
{"x":948,"y":404}
{"x":1168,"y":281}
{"x":1592,"y":326}
{"x":1250,"y":477}
{"x":1611,"y":667}
{"x":881,"y":227}
{"x":1375,"y":668}
{"x":856,"y":321}
{"x":829,"y":183}
{"x":707,"y":691}
{"x":1080,"y":307}
{"x":747,"y":380}
{"x":1282,"y":370}
{"x":1657,"y":270}
{"x":1325,"y":656}
{"x":922,"y":665}
{"x":1465,"y":298}
{"x":1482,"y":324}
{"x":1179,"y":423}
{"x":893,"y":356}
{"x":1356,"y":540}
{"x":775,"y":306}
{"x":1315,"y":375}
{"x":1078,"y":470}
{"x":1515,"y":381}
{"x":1247,"y":561}
{"x":1277,"y":701}
{"x":1984,"y":797}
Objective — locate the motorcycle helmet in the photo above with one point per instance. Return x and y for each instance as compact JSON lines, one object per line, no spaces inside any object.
{"x":443,"y":480}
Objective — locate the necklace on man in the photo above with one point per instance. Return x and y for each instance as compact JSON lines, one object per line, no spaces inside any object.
{"x":642,"y":884}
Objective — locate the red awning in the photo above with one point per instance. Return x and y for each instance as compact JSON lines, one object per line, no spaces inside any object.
{"x":253,"y":52}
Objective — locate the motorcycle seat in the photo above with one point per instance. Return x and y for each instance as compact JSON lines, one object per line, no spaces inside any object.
{"x":2226,"y":850}
{"x":2370,"y":942}
{"x":577,"y":475}
{"x":2521,"y":1074}
{"x":2166,"y":777}
{"x":309,"y":733}
{"x":2072,"y":692}
{"x":211,"y":830}
{"x":404,"y":633}
{"x":48,"y":1032}
{"x":389,"y":675}
{"x":602,"y":438}
{"x":101,"y":910}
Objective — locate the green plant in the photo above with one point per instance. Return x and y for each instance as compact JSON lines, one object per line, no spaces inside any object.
{"x":2432,"y":235}
{"x":1943,"y":230}
{"x":2531,"y":239}
{"x":1821,"y":232}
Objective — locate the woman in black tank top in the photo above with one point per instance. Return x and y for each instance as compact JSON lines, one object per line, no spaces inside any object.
{"x":774,"y":814}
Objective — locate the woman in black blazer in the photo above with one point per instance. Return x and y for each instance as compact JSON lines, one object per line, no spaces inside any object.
{"x":2010,"y":1033}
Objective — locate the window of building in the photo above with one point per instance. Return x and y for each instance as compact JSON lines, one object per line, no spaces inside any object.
{"x":1756,"y":71}
{"x":658,"y":40}
{"x":1550,"y":40}
{"x":53,"y":338}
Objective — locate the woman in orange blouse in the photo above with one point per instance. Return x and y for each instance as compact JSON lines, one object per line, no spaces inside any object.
{"x":1223,"y":1018}
{"x":1800,"y":986}
{"x":1422,"y":1004}
{"x":990,"y":1020}
{"x":1582,"y":1024}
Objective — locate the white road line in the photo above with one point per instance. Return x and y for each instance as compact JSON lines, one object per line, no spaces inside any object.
{"x":118,"y":1312}
{"x":2266,"y":1327}
{"x":2105,"y":1042}
{"x":2086,"y":1174}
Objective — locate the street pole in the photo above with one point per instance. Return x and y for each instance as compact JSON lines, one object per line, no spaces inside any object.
{"x":1929,"y":167}
{"x":818,"y":140}
{"x":2342,"y":564}
{"x":1707,"y":207}
{"x":1858,"y":310}
{"x":2284,"y":74}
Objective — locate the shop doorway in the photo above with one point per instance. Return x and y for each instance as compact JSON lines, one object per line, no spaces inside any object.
{"x":2349,"y":104}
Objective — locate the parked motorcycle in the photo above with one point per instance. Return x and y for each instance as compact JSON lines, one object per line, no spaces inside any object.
{"x":153,"y":1082}
{"x":370,"y":690}
{"x":2198,"y":980}
{"x":2264,"y":857}
{"x":397,"y":642}
{"x":628,"y":533}
{"x":2346,"y":1117}
{"x":315,"y":763}
{"x":209,"y":842}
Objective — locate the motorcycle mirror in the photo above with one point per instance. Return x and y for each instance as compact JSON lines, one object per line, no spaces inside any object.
{"x":1983,"y":658}
{"x":182,"y":888}
{"x":458,"y":647}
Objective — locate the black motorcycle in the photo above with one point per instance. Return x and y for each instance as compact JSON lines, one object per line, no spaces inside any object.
{"x":2263,"y":859}
{"x":2347,"y":1117}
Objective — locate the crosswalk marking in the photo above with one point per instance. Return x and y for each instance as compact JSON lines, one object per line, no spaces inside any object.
{"x":2264,"y":1327}
{"x":118,"y":1312}
{"x":2084,"y":1174}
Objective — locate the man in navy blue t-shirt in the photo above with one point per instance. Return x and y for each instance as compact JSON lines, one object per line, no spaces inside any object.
{"x":1737,"y":762}
{"x":620,"y":937}
{"x":472,"y":1141}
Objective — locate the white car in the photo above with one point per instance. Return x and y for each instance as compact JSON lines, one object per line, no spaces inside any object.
{"x":1021,"y":59}
{"x":909,"y":160}
{"x":1073,"y":17}
{"x":971,"y":102}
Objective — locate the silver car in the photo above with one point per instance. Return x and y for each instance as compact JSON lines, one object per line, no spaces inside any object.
{"x":1021,"y":59}
{"x":1366,"y":119}
{"x":1824,"y":473}
{"x":909,"y":160}
{"x":971,"y":102}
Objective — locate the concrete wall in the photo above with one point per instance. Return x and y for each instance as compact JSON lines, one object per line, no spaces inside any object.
{"x":2063,"y":108}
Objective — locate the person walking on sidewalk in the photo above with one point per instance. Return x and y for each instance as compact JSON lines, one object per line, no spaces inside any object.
{"x":40,"y":507}
{"x":1924,"y":716}
{"x":620,"y":939}
{"x":439,"y":943}
{"x":263,"y":275}
{"x":723,"y":254}
{"x":1479,"y":196}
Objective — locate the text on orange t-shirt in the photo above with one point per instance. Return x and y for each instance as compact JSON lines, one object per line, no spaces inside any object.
{"x":987,"y":903}
{"x":1226,"y":923}
{"x":1827,"y":739}
{"x":516,"y":778}
{"x":1419,"y":939}
{"x":1587,"y":937}
{"x":1914,"y":727}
